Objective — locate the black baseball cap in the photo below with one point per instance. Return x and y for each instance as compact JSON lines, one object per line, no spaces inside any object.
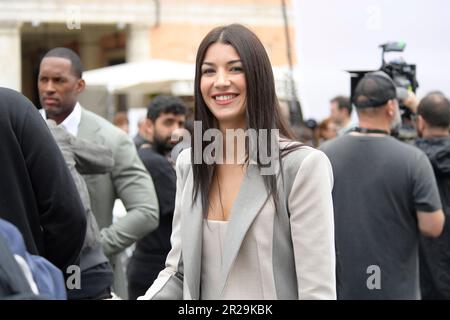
{"x":375,"y":89}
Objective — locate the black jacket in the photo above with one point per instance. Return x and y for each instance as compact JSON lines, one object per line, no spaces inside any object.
{"x":435,"y":253}
{"x":164,"y":178}
{"x":37,"y":193}
{"x":438,"y":151}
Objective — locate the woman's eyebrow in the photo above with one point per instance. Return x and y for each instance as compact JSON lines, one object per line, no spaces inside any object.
{"x":229,"y":62}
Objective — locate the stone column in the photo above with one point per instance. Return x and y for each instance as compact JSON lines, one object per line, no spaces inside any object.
{"x":10,"y":55}
{"x":137,"y":49}
{"x":90,"y":49}
{"x":138,"y":43}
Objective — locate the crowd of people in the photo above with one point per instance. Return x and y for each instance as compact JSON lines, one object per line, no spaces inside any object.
{"x":253,"y":209}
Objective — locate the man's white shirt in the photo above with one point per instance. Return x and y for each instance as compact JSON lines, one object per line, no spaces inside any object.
{"x":72,"y":122}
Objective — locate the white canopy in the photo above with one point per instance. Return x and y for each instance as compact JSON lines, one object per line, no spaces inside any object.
{"x":140,"y":77}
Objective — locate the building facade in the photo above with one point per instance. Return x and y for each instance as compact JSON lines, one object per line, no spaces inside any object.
{"x":110,"y":32}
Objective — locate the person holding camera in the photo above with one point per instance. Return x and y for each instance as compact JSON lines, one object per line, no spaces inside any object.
{"x":384,"y":196}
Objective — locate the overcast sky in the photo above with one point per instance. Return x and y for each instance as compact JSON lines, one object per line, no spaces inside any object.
{"x":337,"y":35}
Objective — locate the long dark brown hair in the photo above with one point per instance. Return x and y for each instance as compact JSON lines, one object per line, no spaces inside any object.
{"x":262,"y":108}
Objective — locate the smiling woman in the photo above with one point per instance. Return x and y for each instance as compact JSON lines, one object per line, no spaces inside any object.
{"x":223,"y":86}
{"x":237,"y":232}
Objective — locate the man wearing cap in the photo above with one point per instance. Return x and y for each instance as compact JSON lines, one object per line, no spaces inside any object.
{"x":384,"y":194}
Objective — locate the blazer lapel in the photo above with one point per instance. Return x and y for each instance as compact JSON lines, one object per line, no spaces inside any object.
{"x":251,"y":198}
{"x":87,"y":128}
{"x":191,"y":238}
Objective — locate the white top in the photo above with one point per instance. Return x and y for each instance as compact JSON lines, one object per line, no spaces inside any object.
{"x":212,"y":253}
{"x":72,"y":122}
{"x":244,"y":283}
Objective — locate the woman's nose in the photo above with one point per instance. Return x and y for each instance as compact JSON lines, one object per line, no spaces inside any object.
{"x":222,"y":79}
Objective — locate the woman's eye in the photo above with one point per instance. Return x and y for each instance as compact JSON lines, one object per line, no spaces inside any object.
{"x":207,"y":71}
{"x":237,"y":69}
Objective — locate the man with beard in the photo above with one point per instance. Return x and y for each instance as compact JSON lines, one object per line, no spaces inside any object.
{"x":433,"y":124}
{"x":165,"y":115}
{"x":384,"y":195}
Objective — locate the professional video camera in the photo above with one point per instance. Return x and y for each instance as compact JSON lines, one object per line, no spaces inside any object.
{"x":404,"y":77}
{"x":402,"y":73}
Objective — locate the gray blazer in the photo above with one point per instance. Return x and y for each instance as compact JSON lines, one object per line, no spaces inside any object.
{"x":295,"y":248}
{"x":129,"y":181}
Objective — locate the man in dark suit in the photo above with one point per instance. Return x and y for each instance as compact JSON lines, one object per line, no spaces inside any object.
{"x":165,"y":115}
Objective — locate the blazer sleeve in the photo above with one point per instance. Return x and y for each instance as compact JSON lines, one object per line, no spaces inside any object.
{"x":134,"y":186}
{"x":312,"y":228}
{"x":169,"y":284}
